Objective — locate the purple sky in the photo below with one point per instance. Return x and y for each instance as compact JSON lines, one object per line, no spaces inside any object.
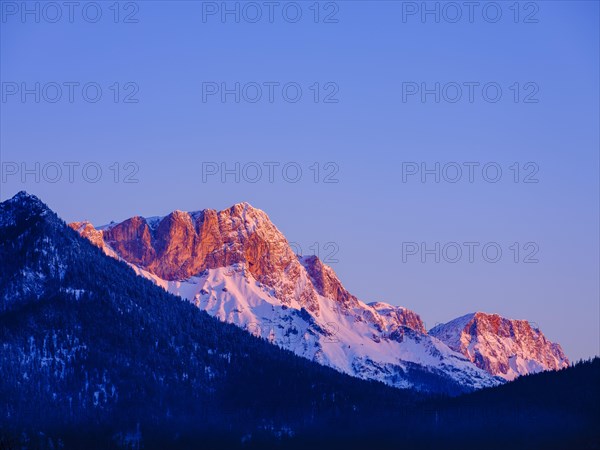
{"x":359,"y":130}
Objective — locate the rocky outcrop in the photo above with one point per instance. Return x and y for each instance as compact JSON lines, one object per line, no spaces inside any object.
{"x":395,"y":317}
{"x":87,"y":230}
{"x":327,"y":283}
{"x":503,"y":347}
{"x":181,"y":245}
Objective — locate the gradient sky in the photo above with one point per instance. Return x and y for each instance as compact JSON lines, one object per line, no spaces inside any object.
{"x":368,"y":134}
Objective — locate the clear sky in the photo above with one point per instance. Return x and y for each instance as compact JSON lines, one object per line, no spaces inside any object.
{"x":370,"y":57}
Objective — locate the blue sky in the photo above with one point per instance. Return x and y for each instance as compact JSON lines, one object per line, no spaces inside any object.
{"x":365,"y":137}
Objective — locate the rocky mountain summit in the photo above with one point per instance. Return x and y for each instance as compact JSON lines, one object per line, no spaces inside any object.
{"x":504,"y":347}
{"x":236,"y":265}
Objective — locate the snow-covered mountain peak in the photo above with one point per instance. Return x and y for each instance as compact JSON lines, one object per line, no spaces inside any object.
{"x":236,"y":265}
{"x":504,"y":347}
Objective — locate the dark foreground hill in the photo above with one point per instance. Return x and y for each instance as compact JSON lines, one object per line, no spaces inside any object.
{"x":92,"y":356}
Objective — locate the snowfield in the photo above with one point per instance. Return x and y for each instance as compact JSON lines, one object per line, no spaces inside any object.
{"x":344,"y":340}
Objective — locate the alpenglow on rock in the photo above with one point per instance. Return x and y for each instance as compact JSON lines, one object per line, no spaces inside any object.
{"x":503,"y":347}
{"x":237,"y":266}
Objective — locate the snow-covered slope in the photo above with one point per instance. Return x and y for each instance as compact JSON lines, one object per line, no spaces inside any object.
{"x":352,"y":341}
{"x":237,"y":266}
{"x":503,"y":347}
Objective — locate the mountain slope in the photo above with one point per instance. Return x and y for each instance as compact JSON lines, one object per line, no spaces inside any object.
{"x":93,"y":356}
{"x":97,"y":357}
{"x":504,"y":347}
{"x":236,"y":265}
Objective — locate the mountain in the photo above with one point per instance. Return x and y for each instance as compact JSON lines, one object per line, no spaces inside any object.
{"x":237,"y":266}
{"x":94,"y":356}
{"x":503,"y":347}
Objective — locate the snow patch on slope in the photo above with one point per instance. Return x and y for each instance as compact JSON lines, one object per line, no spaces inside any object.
{"x":345,"y":341}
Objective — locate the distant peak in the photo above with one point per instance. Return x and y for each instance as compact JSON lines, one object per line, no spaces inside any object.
{"x":477,"y":316}
{"x":243,"y":206}
{"x":485,"y":315}
{"x":237,"y":208}
{"x":503,"y":347}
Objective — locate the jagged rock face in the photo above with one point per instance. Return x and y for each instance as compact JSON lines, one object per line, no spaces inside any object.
{"x":132,"y":241}
{"x":327,"y":283}
{"x":386,"y":318}
{"x":182,"y":245}
{"x":395,"y":317}
{"x":88,"y":231}
{"x":237,"y":266}
{"x":503,"y":347}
